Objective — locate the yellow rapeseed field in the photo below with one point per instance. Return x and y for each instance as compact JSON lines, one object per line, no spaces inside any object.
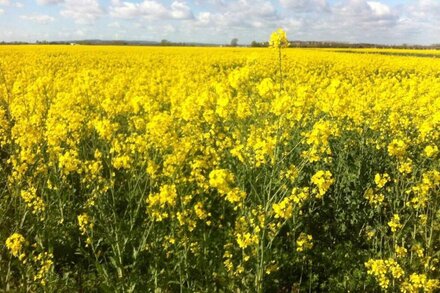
{"x":147,"y":169}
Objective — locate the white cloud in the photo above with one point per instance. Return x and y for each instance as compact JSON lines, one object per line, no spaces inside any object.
{"x":379,"y":9}
{"x":419,"y":22}
{"x":41,"y":19}
{"x":82,"y":11}
{"x":114,"y":25}
{"x":428,"y":6}
{"x":240,"y":14}
{"x":424,"y":10}
{"x":361,"y":14}
{"x":11,"y":3}
{"x":204,"y":18}
{"x":132,"y":10}
{"x":79,"y":33}
{"x":305,"y":5}
{"x":151,"y":10}
{"x":167,"y":29}
{"x":49,"y":2}
{"x":218,"y":21}
{"x":180,"y":10}
{"x":344,"y":20}
{"x":255,"y":9}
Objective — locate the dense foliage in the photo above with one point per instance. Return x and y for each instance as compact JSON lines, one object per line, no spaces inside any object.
{"x":218,"y":169}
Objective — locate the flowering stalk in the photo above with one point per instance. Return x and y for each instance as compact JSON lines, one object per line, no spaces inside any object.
{"x":278,"y":40}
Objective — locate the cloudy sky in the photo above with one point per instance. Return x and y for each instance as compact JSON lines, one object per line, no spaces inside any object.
{"x":218,"y":21}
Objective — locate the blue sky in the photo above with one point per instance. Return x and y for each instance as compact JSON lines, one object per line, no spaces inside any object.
{"x":377,"y":21}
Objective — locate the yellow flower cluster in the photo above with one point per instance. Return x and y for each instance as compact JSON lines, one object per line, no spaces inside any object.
{"x":394,"y":223}
{"x":304,"y":242}
{"x":421,"y":192}
{"x":278,"y":39}
{"x":15,"y":244}
{"x":221,"y":179}
{"x":430,"y":151}
{"x":247,"y":231}
{"x":246,"y":239}
{"x":375,"y":199}
{"x":381,"y":179}
{"x":32,"y":200}
{"x":323,"y":180}
{"x":400,"y":251}
{"x":285,"y":208}
{"x":318,"y":140}
{"x":397,"y":148}
{"x":158,"y":202}
{"x":417,"y":282}
{"x":406,"y":166}
{"x":85,"y":225}
{"x":41,"y":263}
{"x":44,"y":263}
{"x":383,"y":269}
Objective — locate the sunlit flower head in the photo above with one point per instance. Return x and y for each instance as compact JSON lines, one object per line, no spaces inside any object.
{"x":278,"y":39}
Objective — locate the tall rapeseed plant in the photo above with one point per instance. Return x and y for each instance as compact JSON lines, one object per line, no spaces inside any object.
{"x":278,"y":40}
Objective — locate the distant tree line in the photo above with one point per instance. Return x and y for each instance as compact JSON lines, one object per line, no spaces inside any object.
{"x":233,"y":43}
{"x":259,"y":44}
{"x":329,"y":44}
